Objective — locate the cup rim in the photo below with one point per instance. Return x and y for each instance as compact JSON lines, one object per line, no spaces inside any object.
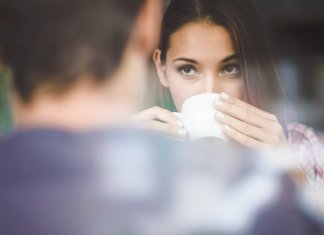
{"x":217,"y":95}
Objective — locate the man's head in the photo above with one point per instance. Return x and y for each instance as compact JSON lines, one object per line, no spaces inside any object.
{"x":52,"y":46}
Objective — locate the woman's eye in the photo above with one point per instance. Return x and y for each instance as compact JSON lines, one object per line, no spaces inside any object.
{"x":231,"y":69}
{"x":187,"y":70}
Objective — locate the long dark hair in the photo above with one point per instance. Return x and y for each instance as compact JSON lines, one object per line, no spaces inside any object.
{"x":240,"y":18}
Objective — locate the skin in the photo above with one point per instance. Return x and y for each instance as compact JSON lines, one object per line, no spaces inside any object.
{"x":201,"y":59}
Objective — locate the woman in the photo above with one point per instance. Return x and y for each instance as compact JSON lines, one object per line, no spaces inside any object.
{"x":217,"y":46}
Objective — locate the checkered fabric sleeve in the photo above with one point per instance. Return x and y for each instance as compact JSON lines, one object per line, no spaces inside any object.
{"x":309,"y":151}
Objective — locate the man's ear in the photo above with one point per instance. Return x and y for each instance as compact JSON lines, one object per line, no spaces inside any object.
{"x":147,"y":27}
{"x":160,"y":68}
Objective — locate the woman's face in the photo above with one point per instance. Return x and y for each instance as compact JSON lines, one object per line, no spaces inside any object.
{"x":201,"y":59}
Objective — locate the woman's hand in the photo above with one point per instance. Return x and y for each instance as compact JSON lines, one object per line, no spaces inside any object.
{"x":161,"y":120}
{"x":249,"y":125}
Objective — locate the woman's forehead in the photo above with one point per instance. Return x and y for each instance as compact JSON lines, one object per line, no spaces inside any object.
{"x":201,"y":41}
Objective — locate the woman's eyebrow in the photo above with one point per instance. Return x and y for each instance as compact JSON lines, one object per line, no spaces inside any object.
{"x":229,"y":58}
{"x":186,"y":59}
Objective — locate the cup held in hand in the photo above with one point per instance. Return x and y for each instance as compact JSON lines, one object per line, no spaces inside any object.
{"x":198,"y":117}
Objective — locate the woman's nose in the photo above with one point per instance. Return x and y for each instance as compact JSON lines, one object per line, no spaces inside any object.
{"x":212,"y":85}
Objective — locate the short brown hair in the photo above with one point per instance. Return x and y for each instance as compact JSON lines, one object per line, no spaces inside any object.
{"x":52,"y":42}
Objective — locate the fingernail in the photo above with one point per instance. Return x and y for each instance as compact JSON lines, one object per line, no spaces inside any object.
{"x":228,"y":128}
{"x":179,"y":123}
{"x":225,"y":96}
{"x":182,"y":132}
{"x":220,"y":115}
{"x":219,"y":103}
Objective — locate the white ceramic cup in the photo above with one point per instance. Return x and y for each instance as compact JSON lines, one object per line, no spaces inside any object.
{"x":198,"y":116}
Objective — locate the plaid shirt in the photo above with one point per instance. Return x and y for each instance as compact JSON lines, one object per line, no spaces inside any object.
{"x":309,"y":150}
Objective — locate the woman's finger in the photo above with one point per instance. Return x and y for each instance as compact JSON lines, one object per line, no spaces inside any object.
{"x":248,"y":107}
{"x":244,"y":139}
{"x":239,"y":113}
{"x":164,"y":128}
{"x":244,"y":114}
{"x":247,"y":129}
{"x":157,"y":113}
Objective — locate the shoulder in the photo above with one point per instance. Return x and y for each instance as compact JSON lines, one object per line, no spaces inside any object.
{"x":305,"y":139}
{"x":308,"y":149}
{"x":298,"y":132}
{"x":56,"y":144}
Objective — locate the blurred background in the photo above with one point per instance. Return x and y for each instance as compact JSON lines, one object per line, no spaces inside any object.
{"x":296,"y":33}
{"x":5,"y":111}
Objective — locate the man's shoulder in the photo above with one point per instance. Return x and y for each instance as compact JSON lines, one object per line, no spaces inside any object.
{"x":34,"y":140}
{"x":52,"y":141}
{"x":39,"y":152}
